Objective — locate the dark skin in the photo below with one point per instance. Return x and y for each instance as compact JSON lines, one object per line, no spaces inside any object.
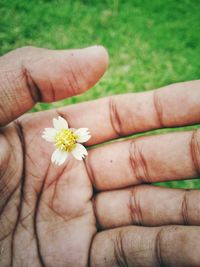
{"x":102,"y":211}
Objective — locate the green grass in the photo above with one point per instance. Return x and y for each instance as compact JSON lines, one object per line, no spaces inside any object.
{"x":150,"y":43}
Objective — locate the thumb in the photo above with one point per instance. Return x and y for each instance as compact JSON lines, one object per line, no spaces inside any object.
{"x":29,"y":75}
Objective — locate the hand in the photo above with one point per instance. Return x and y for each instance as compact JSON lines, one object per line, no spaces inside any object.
{"x":50,"y":216}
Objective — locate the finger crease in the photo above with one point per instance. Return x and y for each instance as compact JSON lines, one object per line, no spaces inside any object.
{"x":158,"y":248}
{"x":73,"y":89}
{"x":184,"y":208}
{"x":119,"y":251}
{"x":195,"y":151}
{"x":114,"y":117}
{"x":138,"y":163}
{"x":134,"y":208}
{"x":158,"y":108}
{"x":53,"y":96}
{"x":32,"y":86}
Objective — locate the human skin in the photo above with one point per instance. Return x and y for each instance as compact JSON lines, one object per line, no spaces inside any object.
{"x":102,"y":211}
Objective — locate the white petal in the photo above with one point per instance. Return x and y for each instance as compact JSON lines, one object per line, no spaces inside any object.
{"x":55,"y":155}
{"x":59,"y":156}
{"x":81,"y":130}
{"x":79,"y":152}
{"x":49,"y":134}
{"x":83,"y":138}
{"x":60,"y":123}
{"x":63,"y":157}
{"x":83,"y":135}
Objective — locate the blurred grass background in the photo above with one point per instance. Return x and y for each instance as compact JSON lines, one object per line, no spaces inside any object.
{"x":150,"y":43}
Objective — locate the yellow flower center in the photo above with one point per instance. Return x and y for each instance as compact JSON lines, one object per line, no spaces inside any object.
{"x":65,"y":140}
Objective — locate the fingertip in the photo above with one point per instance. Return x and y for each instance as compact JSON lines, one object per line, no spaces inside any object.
{"x":98,"y":58}
{"x":101,"y":54}
{"x":89,"y":66}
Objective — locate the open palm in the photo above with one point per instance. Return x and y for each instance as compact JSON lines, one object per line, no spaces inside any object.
{"x":80,"y":213}
{"x":52,"y":208}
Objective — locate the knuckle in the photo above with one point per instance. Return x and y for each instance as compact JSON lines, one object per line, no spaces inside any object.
{"x":32,"y":86}
{"x":138,"y":162}
{"x":195,"y":150}
{"x":24,"y":51}
{"x":135,"y":207}
{"x":170,"y":238}
{"x":25,"y":48}
{"x":158,"y":107}
{"x":115,"y":118}
{"x":162,"y":239}
{"x":184,"y":207}
{"x":119,"y":251}
{"x":159,"y":247}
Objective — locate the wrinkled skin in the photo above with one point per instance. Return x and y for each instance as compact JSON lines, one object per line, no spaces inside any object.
{"x":92,"y":213}
{"x":47,"y":217}
{"x":49,"y":209}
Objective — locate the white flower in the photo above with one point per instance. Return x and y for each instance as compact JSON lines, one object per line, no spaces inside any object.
{"x":66,"y":140}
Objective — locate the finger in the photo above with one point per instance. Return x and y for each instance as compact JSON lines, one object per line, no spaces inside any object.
{"x":29,"y":75}
{"x":148,"y":206}
{"x":147,"y":159}
{"x":109,"y":118}
{"x":147,"y":247}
